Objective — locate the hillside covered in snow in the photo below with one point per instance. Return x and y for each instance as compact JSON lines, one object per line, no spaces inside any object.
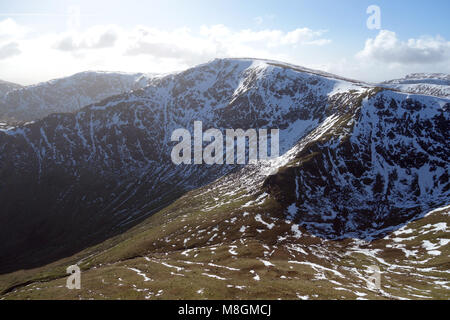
{"x":360,"y":166}
{"x":434,"y":84}
{"x":6,"y":87}
{"x":29,"y":103}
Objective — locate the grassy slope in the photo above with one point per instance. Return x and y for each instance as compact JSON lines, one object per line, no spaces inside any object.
{"x":264,"y":262}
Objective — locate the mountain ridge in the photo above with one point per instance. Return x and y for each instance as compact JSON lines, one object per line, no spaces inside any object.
{"x":6,"y":86}
{"x":331,"y":129}
{"x":68,"y":94}
{"x":435,"y":84}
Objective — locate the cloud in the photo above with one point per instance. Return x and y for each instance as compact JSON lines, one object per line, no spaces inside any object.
{"x":94,"y":38}
{"x":142,"y":48}
{"x":387,"y":48}
{"x":267,"y":37}
{"x":187,"y":46}
{"x":147,"y":49}
{"x":218,"y":41}
{"x":304,"y":36}
{"x":9,"y":29}
{"x":10,"y":35}
{"x":9,"y":50}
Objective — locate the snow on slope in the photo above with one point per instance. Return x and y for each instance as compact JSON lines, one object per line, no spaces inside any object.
{"x":6,"y":87}
{"x":66,"y":94}
{"x":391,"y":166}
{"x":435,"y":84}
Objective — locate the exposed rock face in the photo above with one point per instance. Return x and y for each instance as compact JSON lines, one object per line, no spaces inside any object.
{"x":380,"y":165}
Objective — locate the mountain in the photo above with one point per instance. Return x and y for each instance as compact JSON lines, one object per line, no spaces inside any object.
{"x":360,"y":167}
{"x":435,"y":84}
{"x":90,"y":174}
{"x":66,"y":94}
{"x":6,"y":87}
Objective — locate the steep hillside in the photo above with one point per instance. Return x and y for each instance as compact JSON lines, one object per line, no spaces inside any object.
{"x":376,"y":168}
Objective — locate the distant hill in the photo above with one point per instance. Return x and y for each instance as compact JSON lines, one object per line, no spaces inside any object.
{"x":67,"y":94}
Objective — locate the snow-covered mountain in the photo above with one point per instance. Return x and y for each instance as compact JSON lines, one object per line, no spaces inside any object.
{"x":29,"y":103}
{"x":381,"y":164}
{"x":6,"y":87}
{"x":434,"y":84}
{"x":357,"y":160}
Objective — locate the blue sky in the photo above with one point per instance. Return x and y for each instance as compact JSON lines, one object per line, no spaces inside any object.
{"x":37,"y":42}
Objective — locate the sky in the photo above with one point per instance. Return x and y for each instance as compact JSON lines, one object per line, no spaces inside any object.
{"x":47,"y":39}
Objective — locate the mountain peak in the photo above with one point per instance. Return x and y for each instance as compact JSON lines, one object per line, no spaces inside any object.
{"x":280,"y":64}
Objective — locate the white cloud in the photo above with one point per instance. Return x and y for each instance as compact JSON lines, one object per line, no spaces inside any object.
{"x":181,"y":44}
{"x":27,"y":57}
{"x":387,"y":48}
{"x":9,"y":29}
{"x":218,"y":40}
{"x":139,"y":49}
{"x":305,"y":36}
{"x":10,"y":33}
{"x":94,"y":38}
{"x":9,"y":50}
{"x":268,"y":37}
